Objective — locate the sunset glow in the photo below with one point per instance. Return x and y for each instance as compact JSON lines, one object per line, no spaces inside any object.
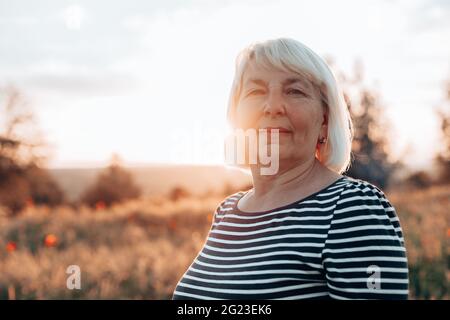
{"x":152,"y":84}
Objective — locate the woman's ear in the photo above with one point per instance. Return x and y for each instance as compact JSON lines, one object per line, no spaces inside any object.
{"x":325,"y":118}
{"x":324,"y":126}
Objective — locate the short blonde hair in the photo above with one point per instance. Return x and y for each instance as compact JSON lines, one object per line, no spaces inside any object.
{"x":291,"y":55}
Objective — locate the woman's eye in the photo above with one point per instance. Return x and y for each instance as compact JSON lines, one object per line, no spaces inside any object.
{"x":253,"y":92}
{"x":295,"y":91}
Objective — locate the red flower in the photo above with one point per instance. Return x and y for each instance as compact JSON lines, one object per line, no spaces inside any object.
{"x":50,"y":240}
{"x":29,"y":203}
{"x":172,"y":224}
{"x":100,"y":205}
{"x":11,"y":246}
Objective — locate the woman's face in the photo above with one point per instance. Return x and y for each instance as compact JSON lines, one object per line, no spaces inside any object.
{"x":273,"y":98}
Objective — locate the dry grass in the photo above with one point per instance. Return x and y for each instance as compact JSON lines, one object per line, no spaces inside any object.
{"x":425,"y":219}
{"x":140,"y":249}
{"x":133,"y":251}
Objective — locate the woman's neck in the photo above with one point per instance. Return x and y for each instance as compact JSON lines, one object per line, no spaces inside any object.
{"x":288,"y":177}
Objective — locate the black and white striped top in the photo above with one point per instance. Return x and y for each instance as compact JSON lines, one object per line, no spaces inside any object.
{"x":342,"y":242}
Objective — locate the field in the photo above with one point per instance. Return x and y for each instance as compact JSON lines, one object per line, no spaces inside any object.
{"x":139,"y":249}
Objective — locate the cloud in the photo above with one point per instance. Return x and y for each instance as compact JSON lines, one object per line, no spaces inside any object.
{"x":79,"y":85}
{"x":76,"y":81}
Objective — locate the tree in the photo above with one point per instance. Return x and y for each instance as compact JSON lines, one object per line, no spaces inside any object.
{"x":22,"y":153}
{"x":442,"y":159}
{"x":370,"y":147}
{"x":21,"y":142}
{"x":419,"y":179}
{"x":113,"y":185}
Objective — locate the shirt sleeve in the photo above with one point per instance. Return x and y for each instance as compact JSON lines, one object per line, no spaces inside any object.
{"x":224,"y":206}
{"x":216,"y":216}
{"x":364,"y":256}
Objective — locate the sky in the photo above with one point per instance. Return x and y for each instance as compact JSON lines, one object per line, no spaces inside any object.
{"x":149,"y":80}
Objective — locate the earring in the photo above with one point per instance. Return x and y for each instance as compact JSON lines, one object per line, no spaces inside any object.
{"x":322,"y":140}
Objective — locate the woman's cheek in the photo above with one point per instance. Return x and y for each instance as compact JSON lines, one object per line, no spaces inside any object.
{"x":246,"y":117}
{"x":303,"y":131}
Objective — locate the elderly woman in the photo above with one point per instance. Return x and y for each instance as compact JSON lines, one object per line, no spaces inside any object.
{"x":307,"y":231}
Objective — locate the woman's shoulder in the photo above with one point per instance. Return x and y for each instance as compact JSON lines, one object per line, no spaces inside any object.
{"x":354,"y":187}
{"x":229,"y":201}
{"x":226,"y":204}
{"x":360,"y":197}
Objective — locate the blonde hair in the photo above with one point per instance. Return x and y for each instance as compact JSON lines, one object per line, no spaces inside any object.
{"x":291,"y":55}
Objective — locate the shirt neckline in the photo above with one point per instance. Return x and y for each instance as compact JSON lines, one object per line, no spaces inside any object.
{"x":287,"y":205}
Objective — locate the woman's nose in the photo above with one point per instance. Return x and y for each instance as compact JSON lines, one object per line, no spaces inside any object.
{"x":274,"y":104}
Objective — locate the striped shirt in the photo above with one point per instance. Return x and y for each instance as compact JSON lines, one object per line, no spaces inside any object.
{"x":342,"y":242}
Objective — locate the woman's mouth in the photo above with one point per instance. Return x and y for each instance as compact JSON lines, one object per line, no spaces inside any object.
{"x":280,"y":130}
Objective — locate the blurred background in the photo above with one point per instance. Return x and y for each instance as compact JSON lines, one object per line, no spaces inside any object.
{"x":113,"y":115}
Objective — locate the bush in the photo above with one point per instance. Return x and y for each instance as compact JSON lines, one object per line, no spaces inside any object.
{"x":178,"y":193}
{"x":114,"y":185}
{"x":28,"y":186}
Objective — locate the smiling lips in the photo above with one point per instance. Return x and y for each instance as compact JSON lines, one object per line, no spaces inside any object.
{"x":280,"y":129}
